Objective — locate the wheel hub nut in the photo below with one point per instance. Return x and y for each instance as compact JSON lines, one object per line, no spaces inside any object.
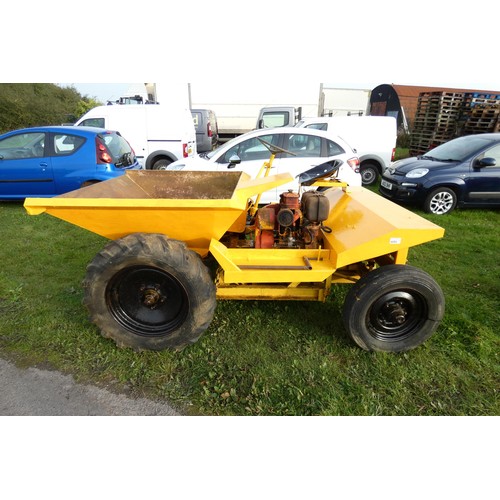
{"x":151,"y":297}
{"x":397,"y":313}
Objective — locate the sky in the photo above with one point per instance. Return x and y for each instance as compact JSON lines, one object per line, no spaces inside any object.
{"x":352,"y":44}
{"x":104,"y":92}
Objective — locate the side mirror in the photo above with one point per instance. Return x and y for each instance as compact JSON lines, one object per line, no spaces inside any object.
{"x":233,"y":161}
{"x":261,"y":123}
{"x":486,"y":162}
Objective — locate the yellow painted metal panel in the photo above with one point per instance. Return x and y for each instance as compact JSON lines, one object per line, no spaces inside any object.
{"x":249,"y":292}
{"x":272,"y":291}
{"x":364,"y":226}
{"x":255,"y":265}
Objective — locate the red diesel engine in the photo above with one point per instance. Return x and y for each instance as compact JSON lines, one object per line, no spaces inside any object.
{"x":293,"y":222}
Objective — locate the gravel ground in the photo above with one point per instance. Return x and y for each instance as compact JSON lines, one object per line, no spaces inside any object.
{"x":35,"y":392}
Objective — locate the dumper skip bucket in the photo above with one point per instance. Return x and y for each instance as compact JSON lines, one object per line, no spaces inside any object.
{"x":186,"y":205}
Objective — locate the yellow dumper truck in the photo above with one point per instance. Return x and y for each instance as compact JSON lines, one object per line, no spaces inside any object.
{"x":182,"y":240}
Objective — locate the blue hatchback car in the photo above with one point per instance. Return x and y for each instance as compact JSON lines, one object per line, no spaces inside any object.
{"x":47,"y":161}
{"x":463,"y":172}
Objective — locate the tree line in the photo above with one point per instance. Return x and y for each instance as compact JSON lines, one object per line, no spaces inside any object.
{"x":36,"y":104}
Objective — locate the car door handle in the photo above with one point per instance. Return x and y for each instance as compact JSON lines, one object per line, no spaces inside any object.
{"x":44,"y":165}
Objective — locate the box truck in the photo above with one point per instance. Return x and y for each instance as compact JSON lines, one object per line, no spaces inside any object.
{"x":241,"y":108}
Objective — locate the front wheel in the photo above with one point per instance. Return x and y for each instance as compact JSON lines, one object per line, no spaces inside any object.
{"x":440,"y":201}
{"x":393,"y":309}
{"x":146,"y":291}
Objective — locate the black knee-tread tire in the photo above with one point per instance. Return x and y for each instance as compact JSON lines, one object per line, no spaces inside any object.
{"x":146,"y":291}
{"x":394,"y":308}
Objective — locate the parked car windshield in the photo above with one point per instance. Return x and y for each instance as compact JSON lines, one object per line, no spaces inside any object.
{"x":235,"y":140}
{"x":458,"y":149}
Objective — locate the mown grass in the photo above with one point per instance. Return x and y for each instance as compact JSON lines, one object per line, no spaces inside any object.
{"x":263,"y":358}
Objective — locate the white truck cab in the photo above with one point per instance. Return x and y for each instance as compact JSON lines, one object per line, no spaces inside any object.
{"x":158,"y":134}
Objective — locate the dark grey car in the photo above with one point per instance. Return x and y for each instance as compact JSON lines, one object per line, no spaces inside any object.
{"x":207,"y":132}
{"x":463,"y":172}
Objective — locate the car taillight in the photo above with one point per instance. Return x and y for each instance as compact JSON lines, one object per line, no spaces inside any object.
{"x":209,"y":130}
{"x":354,"y":164}
{"x":101,"y":152}
{"x":393,"y":154}
{"x":185,"y":150}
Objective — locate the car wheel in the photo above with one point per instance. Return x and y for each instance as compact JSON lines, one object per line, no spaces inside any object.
{"x":369,"y":174}
{"x":440,"y":201}
{"x":161,"y":164}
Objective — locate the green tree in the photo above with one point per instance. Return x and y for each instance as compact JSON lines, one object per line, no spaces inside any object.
{"x":35,"y":104}
{"x":84,"y":105}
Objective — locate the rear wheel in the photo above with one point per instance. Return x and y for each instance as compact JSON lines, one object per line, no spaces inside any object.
{"x":393,"y":309}
{"x":161,"y":164}
{"x":146,"y":291}
{"x":440,"y":201}
{"x":369,"y":174}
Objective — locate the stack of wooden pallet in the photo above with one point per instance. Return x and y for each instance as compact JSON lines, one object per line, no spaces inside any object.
{"x":481,"y":113}
{"x":442,"y":116}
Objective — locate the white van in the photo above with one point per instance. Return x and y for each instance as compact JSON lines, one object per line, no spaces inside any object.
{"x":159,"y":135}
{"x":372,"y":137}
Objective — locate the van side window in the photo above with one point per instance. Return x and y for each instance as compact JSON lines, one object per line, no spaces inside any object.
{"x":93,"y":122}
{"x":196,"y":120}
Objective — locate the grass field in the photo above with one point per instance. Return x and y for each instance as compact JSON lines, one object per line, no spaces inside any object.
{"x":263,"y":358}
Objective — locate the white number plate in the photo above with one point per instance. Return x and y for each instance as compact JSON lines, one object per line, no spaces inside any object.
{"x":386,"y":184}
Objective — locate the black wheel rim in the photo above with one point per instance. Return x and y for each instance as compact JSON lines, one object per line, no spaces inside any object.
{"x":396,"y":316}
{"x":147,"y":301}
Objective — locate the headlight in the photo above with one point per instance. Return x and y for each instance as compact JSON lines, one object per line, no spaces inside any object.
{"x":418,"y":172}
